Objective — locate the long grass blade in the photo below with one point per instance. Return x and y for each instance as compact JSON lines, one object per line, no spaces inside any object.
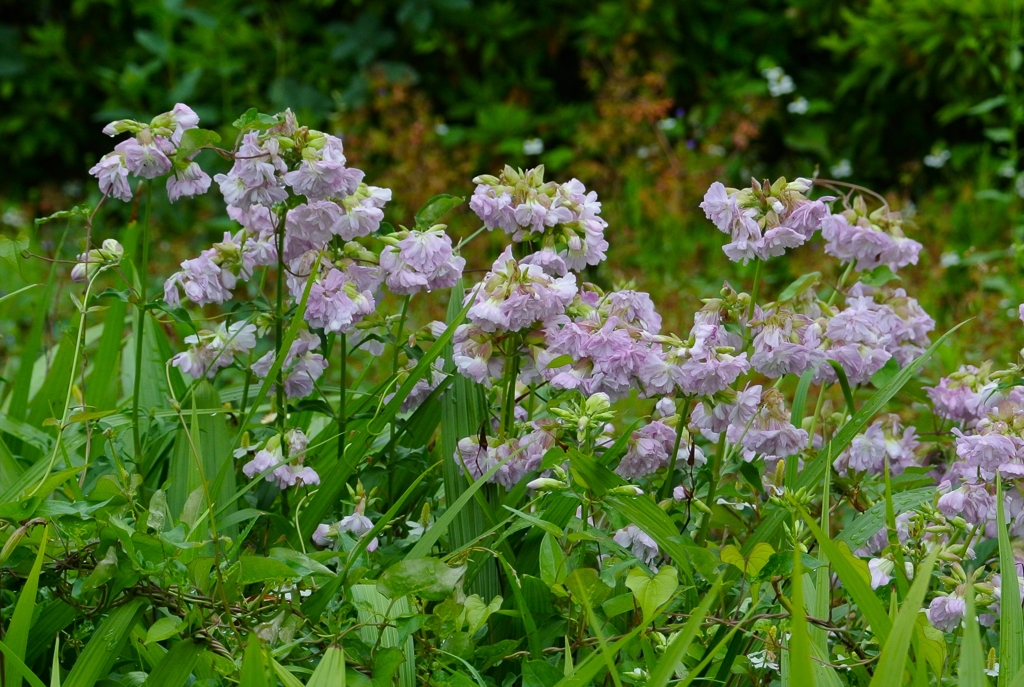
{"x":19,"y":666}
{"x":801,"y":672}
{"x":680,"y":645}
{"x":893,"y":658}
{"x":176,"y":666}
{"x":971,"y":669}
{"x":384,"y":610}
{"x":1011,"y":622}
{"x":105,"y":645}
{"x":860,"y":591}
{"x":21,"y":621}
{"x":330,"y":672}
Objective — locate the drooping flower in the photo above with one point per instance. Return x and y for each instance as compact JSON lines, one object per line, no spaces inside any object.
{"x":650,"y":448}
{"x":336,"y":304}
{"x":947,"y":612}
{"x":423,"y":260}
{"x":771,"y":432}
{"x":302,"y":366}
{"x":513,"y":297}
{"x":322,"y":172}
{"x":638,"y":542}
{"x":869,"y":239}
{"x":112,"y":174}
{"x":881,"y":571}
{"x":212,"y":350}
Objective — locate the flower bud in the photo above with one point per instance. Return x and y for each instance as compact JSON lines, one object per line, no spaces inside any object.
{"x":547,"y":484}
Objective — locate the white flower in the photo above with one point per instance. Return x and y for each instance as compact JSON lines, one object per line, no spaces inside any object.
{"x":533,"y":146}
{"x":763,"y":659}
{"x":798,"y":106}
{"x":842,"y":169}
{"x":937,"y":158}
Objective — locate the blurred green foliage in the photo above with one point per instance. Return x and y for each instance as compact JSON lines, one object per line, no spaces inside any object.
{"x":874,"y":82}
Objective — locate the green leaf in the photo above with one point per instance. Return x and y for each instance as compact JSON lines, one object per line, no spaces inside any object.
{"x":22,"y":670}
{"x":750,"y":564}
{"x":162,"y":629}
{"x":10,"y":249}
{"x":880,"y":276}
{"x":561,"y":360}
{"x":589,"y":667}
{"x":259,"y":569}
{"x":105,"y":645}
{"x":801,"y":672}
{"x":374,"y":608}
{"x":931,"y":643}
{"x":1011,"y":622}
{"x":194,"y":139}
{"x":176,"y":666}
{"x":540,"y":674}
{"x":652,"y":591}
{"x":23,"y":289}
{"x":21,"y":621}
{"x":587,"y":587}
{"x":254,"y":665}
{"x":801,"y":284}
{"x":436,"y":208}
{"x":893,"y":658}
{"x":971,"y":668}
{"x":552,"y":561}
{"x":844,"y":383}
{"x":330,"y":671}
{"x":868,"y":523}
{"x":386,"y":664}
{"x":254,"y":119}
{"x":427,"y":578}
{"x":853,"y":581}
{"x":678,"y":648}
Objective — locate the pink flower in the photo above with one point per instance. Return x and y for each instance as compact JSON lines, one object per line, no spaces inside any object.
{"x":113,"y":176}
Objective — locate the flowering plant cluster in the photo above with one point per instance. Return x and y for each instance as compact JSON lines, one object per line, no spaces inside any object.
{"x":546,"y":486}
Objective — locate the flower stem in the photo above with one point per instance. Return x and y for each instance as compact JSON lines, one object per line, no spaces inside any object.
{"x":342,"y":417}
{"x":754,"y":291}
{"x":140,"y":326}
{"x":279,"y":322}
{"x":398,"y":332}
{"x":842,"y":283}
{"x":716,"y":469}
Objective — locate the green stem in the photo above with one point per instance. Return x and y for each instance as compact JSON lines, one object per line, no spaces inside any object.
{"x":842,"y":283}
{"x":279,"y":322}
{"x":716,"y":470}
{"x":814,"y":418}
{"x":666,"y":487}
{"x":508,"y":413}
{"x":140,"y":325}
{"x":79,"y":340}
{"x":342,"y":413}
{"x":755,"y":290}
{"x":398,"y":332}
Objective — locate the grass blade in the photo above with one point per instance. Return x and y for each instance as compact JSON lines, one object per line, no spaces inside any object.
{"x":860,"y":591}
{"x":176,"y":666}
{"x":1011,"y":622}
{"x":893,"y":658}
{"x":383,"y":609}
{"x":588,"y":668}
{"x":330,"y":672}
{"x":19,"y":666}
{"x":254,"y":664}
{"x":21,"y":621}
{"x":801,"y":672}
{"x":105,"y":645}
{"x":680,"y":645}
{"x":971,"y":670}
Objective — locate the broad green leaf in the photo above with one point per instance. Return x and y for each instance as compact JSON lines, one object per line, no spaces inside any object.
{"x":854,"y":582}
{"x":540,"y":674}
{"x":330,"y":671}
{"x":10,"y":249}
{"x":436,"y":208}
{"x":552,"y":561}
{"x":374,"y":608}
{"x":652,"y":591}
{"x":587,"y":587}
{"x":105,"y":645}
{"x":893,"y":659}
{"x":254,"y":665}
{"x":477,"y":612}
{"x":801,"y":284}
{"x":194,"y":139}
{"x":176,"y":666}
{"x":427,"y":578}
{"x":971,"y":667}
{"x":164,"y":628}
{"x":260,"y":569}
{"x":751,"y":564}
{"x":931,"y":643}
{"x":386,"y":664}
{"x":800,"y":670}
{"x":1011,"y":622}
{"x":21,"y":621}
